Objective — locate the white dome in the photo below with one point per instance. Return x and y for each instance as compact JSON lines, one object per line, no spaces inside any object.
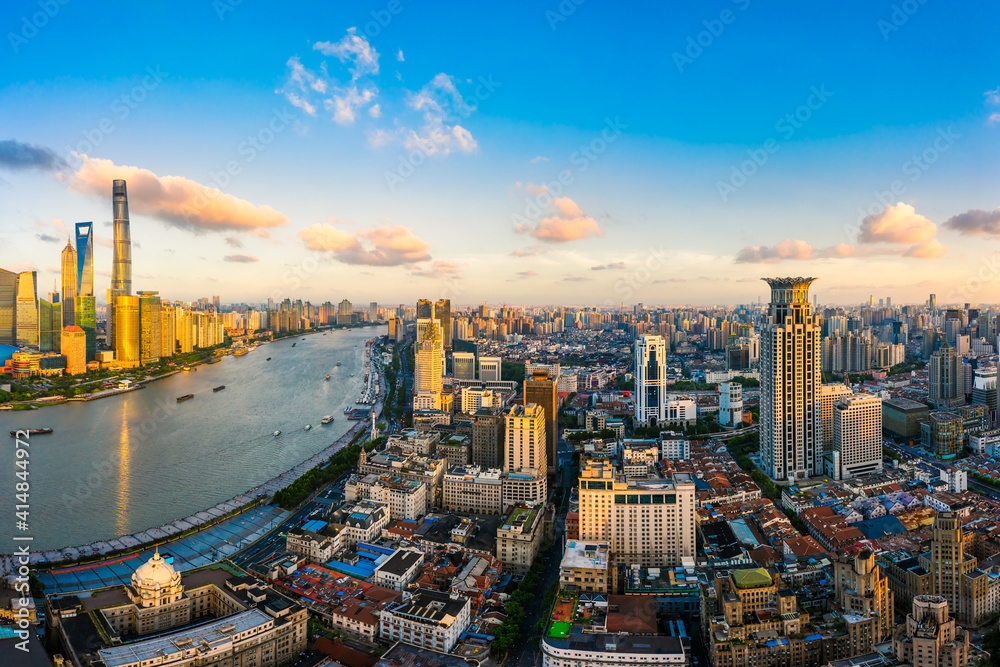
{"x":155,"y":573}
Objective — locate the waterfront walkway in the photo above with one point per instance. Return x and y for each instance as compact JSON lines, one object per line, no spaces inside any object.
{"x":197,"y":549}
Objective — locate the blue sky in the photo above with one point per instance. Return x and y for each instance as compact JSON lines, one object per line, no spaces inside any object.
{"x":551,"y":153}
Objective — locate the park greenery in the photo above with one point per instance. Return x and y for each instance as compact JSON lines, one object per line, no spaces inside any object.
{"x":506,"y":635}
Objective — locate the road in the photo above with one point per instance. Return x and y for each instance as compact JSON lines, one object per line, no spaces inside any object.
{"x":524,"y":653}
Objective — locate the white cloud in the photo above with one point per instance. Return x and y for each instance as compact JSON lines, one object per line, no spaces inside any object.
{"x":352,"y":48}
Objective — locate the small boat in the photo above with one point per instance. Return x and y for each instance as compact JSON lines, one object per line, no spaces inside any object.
{"x":338,"y":363}
{"x":181,"y":399}
{"x":187,"y":368}
{"x":327,"y":376}
{"x":303,"y":339}
{"x":309,"y":426}
{"x":293,"y":344}
{"x":220,"y":387}
{"x":31,"y":431}
{"x":268,"y":359}
{"x":277,"y":433}
{"x":327,"y":420}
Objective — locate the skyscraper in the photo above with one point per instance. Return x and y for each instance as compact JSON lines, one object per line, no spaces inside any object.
{"x":857,"y":434}
{"x":543,"y":389}
{"x":428,"y":359}
{"x":790,"y":417}
{"x":150,"y":345}
{"x":74,"y":346}
{"x":121,"y":263}
{"x":8,"y":306}
{"x":442,"y":311}
{"x":944,"y":378}
{"x":85,"y":259}
{"x":69,"y":279}
{"x":121,"y":268}
{"x":463,"y":365}
{"x":26,"y":312}
{"x":128,"y":333}
{"x":650,"y":379}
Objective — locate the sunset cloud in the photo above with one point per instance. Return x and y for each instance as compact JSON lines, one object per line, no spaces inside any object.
{"x":377,"y":246}
{"x":241,"y":259}
{"x":438,"y":269}
{"x":898,"y":231}
{"x":975,"y":222}
{"x":176,"y":200}
{"x":564,"y":220}
{"x":608,"y":267}
{"x":19,"y":156}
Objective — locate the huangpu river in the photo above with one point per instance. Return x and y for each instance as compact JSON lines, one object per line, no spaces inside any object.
{"x":140,"y":459}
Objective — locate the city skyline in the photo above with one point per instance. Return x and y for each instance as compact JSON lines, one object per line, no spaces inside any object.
{"x":355,"y":154}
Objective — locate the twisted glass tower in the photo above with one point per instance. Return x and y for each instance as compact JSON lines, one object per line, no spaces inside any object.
{"x":121,"y":269}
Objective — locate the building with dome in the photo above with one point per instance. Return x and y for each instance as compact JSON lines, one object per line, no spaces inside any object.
{"x":211,"y":616}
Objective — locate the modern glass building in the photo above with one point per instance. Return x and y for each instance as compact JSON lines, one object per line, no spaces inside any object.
{"x":26,"y":314}
{"x":127,"y":331}
{"x":84,"y":259}
{"x":8,"y":290}
{"x":85,"y":314}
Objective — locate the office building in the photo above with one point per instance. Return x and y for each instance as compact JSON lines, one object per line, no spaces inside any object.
{"x":73,"y":346}
{"x":26,"y":310}
{"x":8,"y":306}
{"x":650,"y":380}
{"x":49,"y":325}
{"x":857,"y":435}
{"x":473,"y":400}
{"x":429,"y":360}
{"x":121,"y":262}
{"x":85,"y":259}
{"x":942,"y":434}
{"x":129,"y":333}
{"x":442,"y":312}
{"x":208,"y":616}
{"x":829,"y":394}
{"x":866,"y":601}
{"x":525,"y":459}
{"x":647,"y":521}
{"x":489,"y":369}
{"x":542,"y":389}
{"x":488,"y":437}
{"x":150,"y":327}
{"x":463,"y":365}
{"x":519,"y":537}
{"x":68,"y":278}
{"x":344,"y":310}
{"x":984,"y":388}
{"x":930,"y":637}
{"x":790,"y":416}
{"x":429,"y":619}
{"x":945,"y":379}
{"x":470,"y":488}
{"x":730,"y":404}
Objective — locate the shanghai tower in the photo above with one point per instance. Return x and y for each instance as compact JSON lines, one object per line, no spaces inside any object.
{"x":121,"y":267}
{"x":121,"y":270}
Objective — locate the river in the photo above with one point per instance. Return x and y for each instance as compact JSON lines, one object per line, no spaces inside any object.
{"x":137,"y":460}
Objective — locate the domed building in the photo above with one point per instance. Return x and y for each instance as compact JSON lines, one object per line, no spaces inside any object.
{"x":155,"y":583}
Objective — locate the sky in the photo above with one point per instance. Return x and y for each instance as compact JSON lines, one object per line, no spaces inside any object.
{"x":573,"y":152}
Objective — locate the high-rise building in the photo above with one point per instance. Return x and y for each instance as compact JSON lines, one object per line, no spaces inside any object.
{"x":26,"y":311}
{"x":488,"y":438}
{"x":489,"y":369}
{"x":730,"y":404}
{"x":8,"y":306}
{"x":344,"y":313}
{"x":865,"y":598}
{"x":650,"y":379}
{"x":930,"y":637}
{"x":425,"y":309}
{"x":428,"y":359}
{"x":69,"y":277}
{"x":526,"y":447}
{"x":121,"y":262}
{"x":542,"y":389}
{"x":647,"y":521}
{"x":932,"y":302}
{"x":442,"y":311}
{"x":168,"y":331}
{"x":944,"y":383}
{"x":463,"y":365}
{"x":85,"y":259}
{"x":857,"y":434}
{"x":85,"y":317}
{"x":829,"y":394}
{"x":129,"y":334}
{"x":49,"y":326}
{"x":790,"y":417}
{"x":150,"y":327}
{"x":74,"y":348}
